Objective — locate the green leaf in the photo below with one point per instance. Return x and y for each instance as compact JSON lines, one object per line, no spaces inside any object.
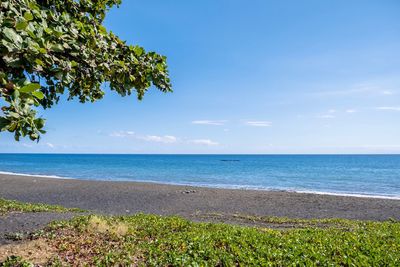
{"x":12,"y":60}
{"x":138,"y":50}
{"x":57,"y":48}
{"x":160,"y":67}
{"x":29,"y":88}
{"x":15,"y":94}
{"x":39,"y":123}
{"x":3,"y":123}
{"x":28,"y":15}
{"x":59,"y":75}
{"x":39,"y":62}
{"x":33,"y":6}
{"x":102,"y":29}
{"x":48,"y":31}
{"x":38,"y":95}
{"x":12,"y":35}
{"x":11,"y":127}
{"x":33,"y":136}
{"x":21,"y":25}
{"x":14,"y":115}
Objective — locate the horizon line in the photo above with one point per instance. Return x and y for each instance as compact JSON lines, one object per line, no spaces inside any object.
{"x":206,"y":154}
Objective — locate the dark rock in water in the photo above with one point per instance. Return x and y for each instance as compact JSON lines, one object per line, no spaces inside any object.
{"x":230,"y":160}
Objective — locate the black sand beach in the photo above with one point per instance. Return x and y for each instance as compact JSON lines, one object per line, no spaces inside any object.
{"x":194,"y":203}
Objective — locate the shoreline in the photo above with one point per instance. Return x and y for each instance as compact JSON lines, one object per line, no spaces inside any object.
{"x":194,"y":203}
{"x":227,"y":187}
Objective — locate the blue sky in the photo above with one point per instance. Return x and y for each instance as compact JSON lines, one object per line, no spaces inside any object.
{"x":249,"y":77}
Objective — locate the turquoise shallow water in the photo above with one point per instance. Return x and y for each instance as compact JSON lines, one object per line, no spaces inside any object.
{"x":370,"y":175}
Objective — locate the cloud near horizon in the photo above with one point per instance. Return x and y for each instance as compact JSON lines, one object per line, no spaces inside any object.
{"x":389,"y":108}
{"x":259,"y":123}
{"x":165,"y":139}
{"x":326,"y":116}
{"x":358,"y":89}
{"x":205,"y":142}
{"x":50,"y":145}
{"x":123,"y":134}
{"x":209,"y":122}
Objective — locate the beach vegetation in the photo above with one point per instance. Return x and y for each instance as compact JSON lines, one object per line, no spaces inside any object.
{"x":150,"y":240}
{"x":8,"y":206}
{"x":51,"y":47}
{"x":15,"y":261}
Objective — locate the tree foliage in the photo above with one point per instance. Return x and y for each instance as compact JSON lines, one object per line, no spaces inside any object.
{"x":49,"y":47}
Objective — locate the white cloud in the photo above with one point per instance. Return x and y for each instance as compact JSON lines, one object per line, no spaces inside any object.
{"x":351,"y":111}
{"x":389,"y":108}
{"x":50,"y":145}
{"x":332,"y":111}
{"x":166,"y":139}
{"x":327,"y":116}
{"x":209,"y":122}
{"x":259,"y":123}
{"x":351,"y":91}
{"x":123,"y":134}
{"x":387,"y":92}
{"x":358,"y":89}
{"x":381,"y":146}
{"x":205,"y":142}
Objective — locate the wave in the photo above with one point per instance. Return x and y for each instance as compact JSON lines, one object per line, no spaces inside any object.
{"x":274,"y":189}
{"x":35,"y":175}
{"x":348,"y":194}
{"x":217,"y":186}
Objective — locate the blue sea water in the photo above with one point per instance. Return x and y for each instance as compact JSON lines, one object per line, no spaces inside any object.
{"x":362,"y":175}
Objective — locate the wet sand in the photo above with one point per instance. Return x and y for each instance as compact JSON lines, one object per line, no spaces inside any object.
{"x":194,"y":203}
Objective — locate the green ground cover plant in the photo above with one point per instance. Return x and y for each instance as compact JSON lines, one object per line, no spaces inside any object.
{"x":150,"y":240}
{"x":7,"y":206}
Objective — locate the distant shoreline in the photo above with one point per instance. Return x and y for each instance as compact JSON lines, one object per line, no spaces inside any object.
{"x":207,"y":154}
{"x":194,"y":203}
{"x":213,"y":186}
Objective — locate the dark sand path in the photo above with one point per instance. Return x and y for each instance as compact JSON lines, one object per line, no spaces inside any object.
{"x":191,"y":202}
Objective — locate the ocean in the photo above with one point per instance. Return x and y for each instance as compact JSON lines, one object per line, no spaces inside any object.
{"x":358,"y":175}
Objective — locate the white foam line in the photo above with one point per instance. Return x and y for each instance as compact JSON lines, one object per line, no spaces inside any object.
{"x":259,"y":188}
{"x":218,"y":186}
{"x":347,"y":194}
{"x":35,"y":175}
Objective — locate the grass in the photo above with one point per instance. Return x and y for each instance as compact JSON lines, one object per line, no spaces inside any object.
{"x":7,"y":206}
{"x":149,"y":240}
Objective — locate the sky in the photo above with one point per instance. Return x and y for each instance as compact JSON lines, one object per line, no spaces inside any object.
{"x":252,"y":77}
